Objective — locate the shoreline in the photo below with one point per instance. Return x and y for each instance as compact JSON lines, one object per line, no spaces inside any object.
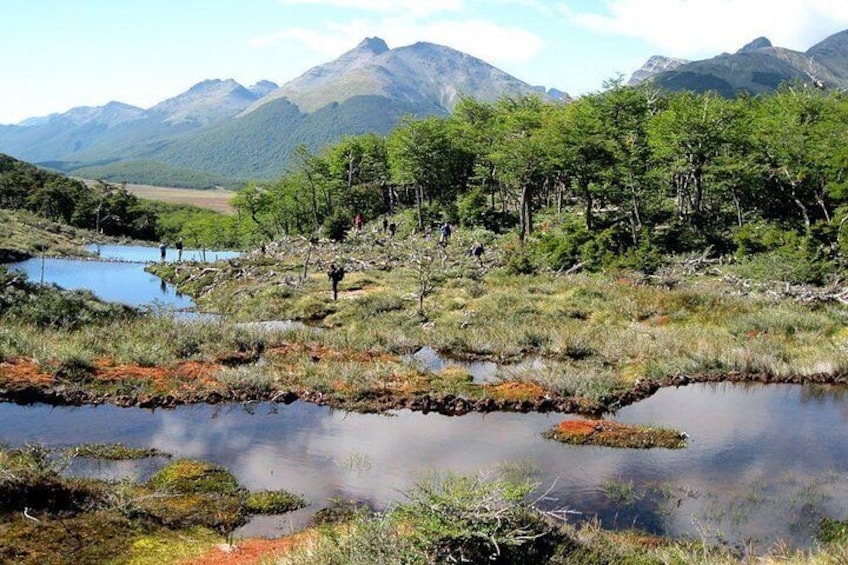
{"x":448,"y":405}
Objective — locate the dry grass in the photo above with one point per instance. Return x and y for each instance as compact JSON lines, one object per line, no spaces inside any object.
{"x":217,"y":200}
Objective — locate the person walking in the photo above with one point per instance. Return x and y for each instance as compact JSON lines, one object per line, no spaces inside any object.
{"x":477,"y":251}
{"x":445,"y":231}
{"x":179,"y":247}
{"x":335,"y":274}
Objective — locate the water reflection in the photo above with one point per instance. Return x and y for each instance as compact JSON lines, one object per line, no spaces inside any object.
{"x":141,"y":254}
{"x":111,"y":281}
{"x":481,"y":371}
{"x":761,"y":463}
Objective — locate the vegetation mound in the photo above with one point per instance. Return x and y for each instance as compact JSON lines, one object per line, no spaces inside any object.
{"x":613,"y":434}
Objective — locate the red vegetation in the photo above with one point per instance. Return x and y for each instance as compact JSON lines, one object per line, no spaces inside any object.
{"x":21,"y":373}
{"x":248,"y":552}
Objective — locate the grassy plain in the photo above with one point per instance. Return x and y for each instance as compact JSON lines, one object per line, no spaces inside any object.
{"x":218,"y":200}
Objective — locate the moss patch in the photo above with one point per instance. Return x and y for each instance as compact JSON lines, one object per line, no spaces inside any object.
{"x":833,"y":531}
{"x":187,"y":476}
{"x":273,"y":502}
{"x":113,"y":452}
{"x":613,"y":434}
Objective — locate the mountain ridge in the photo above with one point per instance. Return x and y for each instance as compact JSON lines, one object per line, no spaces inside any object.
{"x":760,"y":67}
{"x":221,"y":127}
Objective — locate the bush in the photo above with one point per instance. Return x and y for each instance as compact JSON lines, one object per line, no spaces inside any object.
{"x":520,"y":262}
{"x":472,"y":208}
{"x":337,"y":225}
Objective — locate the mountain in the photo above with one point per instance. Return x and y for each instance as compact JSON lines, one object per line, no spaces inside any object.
{"x":430,"y":76}
{"x":263,"y":87}
{"x":760,"y":67}
{"x":205,"y":103}
{"x":653,"y":66}
{"x":219,"y":128}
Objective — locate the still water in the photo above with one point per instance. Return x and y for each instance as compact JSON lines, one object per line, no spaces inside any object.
{"x":120,"y":279}
{"x":112,"y":281}
{"x":139,"y":254}
{"x":763,"y":462}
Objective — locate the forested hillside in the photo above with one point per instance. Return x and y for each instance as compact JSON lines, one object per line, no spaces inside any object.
{"x":108,"y":209}
{"x":624,"y":176}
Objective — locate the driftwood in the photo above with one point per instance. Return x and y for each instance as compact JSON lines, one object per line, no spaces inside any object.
{"x":575,"y":268}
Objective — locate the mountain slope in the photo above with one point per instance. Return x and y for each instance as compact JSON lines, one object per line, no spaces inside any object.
{"x":760,"y":67}
{"x":220,"y":128}
{"x":653,"y":66}
{"x":431,"y":76}
{"x":205,"y":103}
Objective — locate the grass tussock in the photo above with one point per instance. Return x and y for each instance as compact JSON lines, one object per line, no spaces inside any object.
{"x":613,"y":434}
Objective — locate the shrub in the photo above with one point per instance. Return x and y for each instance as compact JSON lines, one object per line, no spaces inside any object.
{"x":337,"y":225}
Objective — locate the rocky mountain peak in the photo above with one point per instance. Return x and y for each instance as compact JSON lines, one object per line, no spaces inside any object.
{"x":373,"y":44}
{"x":653,"y":66}
{"x":759,"y":43}
{"x":205,"y":102}
{"x":263,"y":87}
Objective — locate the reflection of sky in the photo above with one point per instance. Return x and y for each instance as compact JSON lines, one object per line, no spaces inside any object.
{"x":140,"y":254}
{"x":769,"y":439}
{"x":110,"y":281}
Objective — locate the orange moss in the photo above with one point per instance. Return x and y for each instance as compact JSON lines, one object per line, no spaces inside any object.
{"x":249,"y":551}
{"x":515,"y":391}
{"x":613,"y":434}
{"x":196,"y":373}
{"x":21,"y":373}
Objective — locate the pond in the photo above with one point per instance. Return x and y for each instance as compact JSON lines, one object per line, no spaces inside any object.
{"x":112,"y":281}
{"x":120,"y":279}
{"x":141,"y":254}
{"x":763,"y":462}
{"x":481,"y":372}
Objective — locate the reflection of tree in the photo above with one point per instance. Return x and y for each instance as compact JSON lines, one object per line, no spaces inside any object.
{"x":820,"y":394}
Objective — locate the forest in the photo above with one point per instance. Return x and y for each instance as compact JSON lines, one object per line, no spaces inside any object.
{"x":107,"y":208}
{"x":622,"y":177}
{"x":625,"y":177}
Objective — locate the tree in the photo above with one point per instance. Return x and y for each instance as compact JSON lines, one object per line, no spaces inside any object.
{"x":423,"y":157}
{"x":518,"y":155}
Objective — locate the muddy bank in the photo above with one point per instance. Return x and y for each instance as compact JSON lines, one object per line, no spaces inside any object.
{"x":195,"y":383}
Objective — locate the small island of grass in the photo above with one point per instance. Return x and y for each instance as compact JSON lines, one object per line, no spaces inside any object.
{"x":612,"y":434}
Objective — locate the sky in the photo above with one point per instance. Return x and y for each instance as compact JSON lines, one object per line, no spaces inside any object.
{"x":58,"y":54}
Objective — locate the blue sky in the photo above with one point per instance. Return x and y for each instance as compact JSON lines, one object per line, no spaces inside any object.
{"x":57,"y":54}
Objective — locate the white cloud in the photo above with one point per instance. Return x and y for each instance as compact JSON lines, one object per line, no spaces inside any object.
{"x":699,"y":28}
{"x":491,"y":42}
{"x":415,"y":7}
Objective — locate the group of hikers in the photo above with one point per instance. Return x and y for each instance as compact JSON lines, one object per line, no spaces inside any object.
{"x":336,"y":273}
{"x":163,"y":250}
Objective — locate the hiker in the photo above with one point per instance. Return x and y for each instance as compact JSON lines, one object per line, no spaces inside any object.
{"x":179,"y":247}
{"x":392,"y":229}
{"x":357,"y":222}
{"x":445,"y":231}
{"x":477,"y":251}
{"x":385,"y":224}
{"x":162,"y":250}
{"x":335,"y":274}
